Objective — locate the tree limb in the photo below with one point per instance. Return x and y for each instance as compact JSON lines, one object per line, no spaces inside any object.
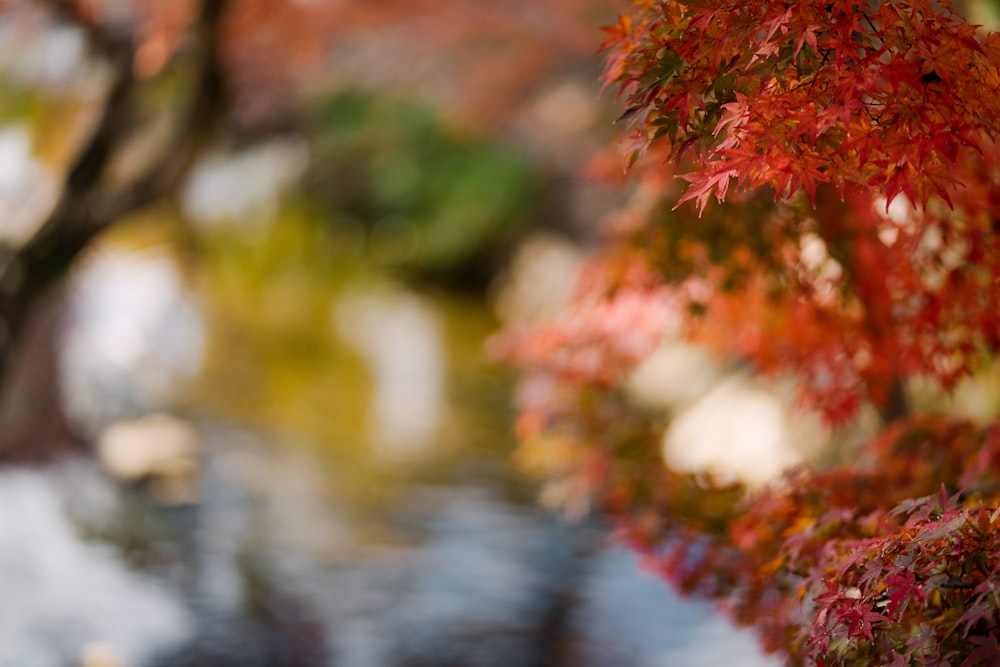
{"x":85,"y":207}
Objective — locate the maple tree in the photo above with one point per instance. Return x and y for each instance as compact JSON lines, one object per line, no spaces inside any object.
{"x":840,"y":224}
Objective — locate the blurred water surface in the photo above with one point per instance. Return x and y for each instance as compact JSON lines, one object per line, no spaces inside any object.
{"x":348,"y":500}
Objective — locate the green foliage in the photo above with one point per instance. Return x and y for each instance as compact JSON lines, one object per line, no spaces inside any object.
{"x":431,"y":201}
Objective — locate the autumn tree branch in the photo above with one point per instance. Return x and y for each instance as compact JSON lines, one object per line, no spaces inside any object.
{"x":87,"y":204}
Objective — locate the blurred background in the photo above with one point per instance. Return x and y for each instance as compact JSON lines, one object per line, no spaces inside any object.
{"x":250,"y":253}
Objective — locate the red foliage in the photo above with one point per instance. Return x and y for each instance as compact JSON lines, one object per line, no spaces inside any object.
{"x":805,"y":122}
{"x":480,"y":59}
{"x":888,"y":95}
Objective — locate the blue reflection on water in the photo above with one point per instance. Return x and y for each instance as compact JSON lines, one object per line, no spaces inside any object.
{"x":479,"y":581}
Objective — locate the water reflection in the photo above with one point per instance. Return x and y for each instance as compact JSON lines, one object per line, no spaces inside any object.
{"x":64,"y":596}
{"x":338,"y":491}
{"x":265,"y":570}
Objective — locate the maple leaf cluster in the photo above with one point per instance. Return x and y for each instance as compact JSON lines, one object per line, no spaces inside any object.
{"x":844,"y":230}
{"x":852,"y":565}
{"x":885,"y":95}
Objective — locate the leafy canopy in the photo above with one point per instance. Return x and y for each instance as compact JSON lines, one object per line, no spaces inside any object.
{"x":886,"y":95}
{"x":842,"y":162}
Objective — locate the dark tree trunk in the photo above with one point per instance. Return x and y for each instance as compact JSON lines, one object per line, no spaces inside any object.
{"x":31,"y":275}
{"x":34,"y":425}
